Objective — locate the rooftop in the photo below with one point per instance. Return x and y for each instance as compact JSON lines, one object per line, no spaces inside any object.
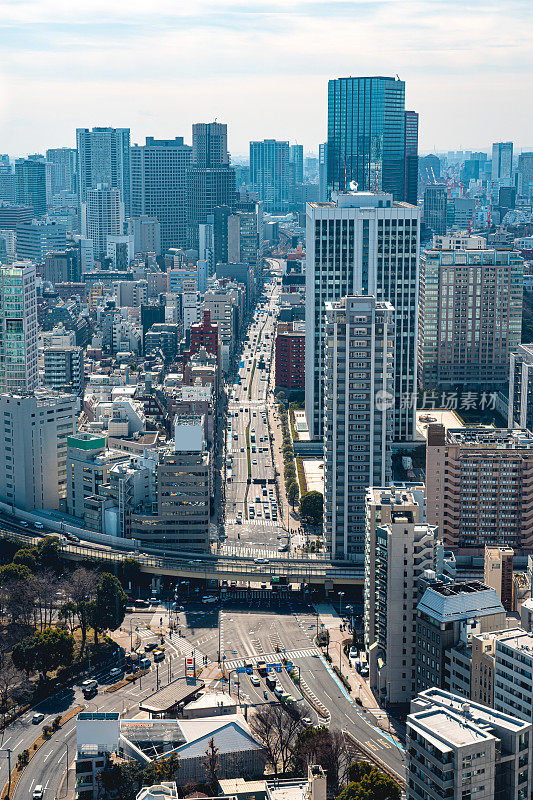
{"x":516,"y":639}
{"x":445,"y":730}
{"x":500,"y":438}
{"x":176,"y":692}
{"x":449,"y":602}
{"x":480,"y":715}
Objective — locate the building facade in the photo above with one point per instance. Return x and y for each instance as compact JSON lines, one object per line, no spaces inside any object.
{"x":479,"y":485}
{"x":104,"y":159}
{"x":290,"y":356}
{"x":270,"y":174}
{"x":358,"y":418}
{"x":19,"y":367}
{"x":470,"y":317}
{"x":102,"y":215}
{"x":435,"y":207}
{"x":33,"y":183}
{"x":363,"y":243}
{"x":64,"y":369}
{"x":520,"y":413}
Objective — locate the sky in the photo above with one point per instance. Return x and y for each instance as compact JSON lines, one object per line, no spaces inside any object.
{"x":261,"y":66}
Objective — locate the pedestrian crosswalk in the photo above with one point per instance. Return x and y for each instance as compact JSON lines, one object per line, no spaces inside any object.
{"x":256,"y":522}
{"x":272,"y":658}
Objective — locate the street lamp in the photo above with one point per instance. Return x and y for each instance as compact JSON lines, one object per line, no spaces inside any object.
{"x":8,"y":751}
{"x":341,"y":595}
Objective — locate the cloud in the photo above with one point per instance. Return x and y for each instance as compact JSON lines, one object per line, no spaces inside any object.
{"x":262,"y":67}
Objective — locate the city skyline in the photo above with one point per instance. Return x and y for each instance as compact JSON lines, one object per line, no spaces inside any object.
{"x":262,"y":70}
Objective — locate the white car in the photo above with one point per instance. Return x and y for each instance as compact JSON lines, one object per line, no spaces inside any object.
{"x":209,"y":598}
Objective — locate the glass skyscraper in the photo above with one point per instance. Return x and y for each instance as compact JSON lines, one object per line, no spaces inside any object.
{"x":367,"y":136}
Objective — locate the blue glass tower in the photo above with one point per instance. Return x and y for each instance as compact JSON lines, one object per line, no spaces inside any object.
{"x":367,"y":135}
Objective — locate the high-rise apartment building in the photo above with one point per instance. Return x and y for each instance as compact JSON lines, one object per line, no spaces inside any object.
{"x":33,"y":183}
{"x":363,"y":243}
{"x":470,"y":316}
{"x":102,"y":214}
{"x":513,"y":673}
{"x":525,"y":175}
{"x":463,"y":750}
{"x":104,"y":159}
{"x":502,"y":163}
{"x":146,"y":230}
{"x":290,"y":356}
{"x":479,"y":484}
{"x":270,"y":174}
{"x":159,"y":186}
{"x":435,"y":207}
{"x":35,"y":429}
{"x":63,"y":266}
{"x":358,"y":416}
{"x":371,"y":141}
{"x":245,"y":235}
{"x":64,"y":369}
{"x":399,"y":547}
{"x":205,"y":334}
{"x":63,"y":161}
{"x":210,"y":144}
{"x":498,"y":573}
{"x":520,"y":413}
{"x":19,"y":368}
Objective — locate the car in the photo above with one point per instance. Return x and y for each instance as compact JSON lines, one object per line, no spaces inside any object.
{"x":307,"y":721}
{"x":254,"y":462}
{"x":365,"y":672}
{"x":22,"y":523}
{"x":72,"y":537}
{"x":39,"y":526}
{"x":254,"y":680}
{"x":238,"y":521}
{"x":353,"y":652}
{"x":141,"y":603}
{"x":38,"y":792}
{"x":37,"y":718}
{"x":209,"y":598}
{"x":283,"y":548}
{"x":116,"y":672}
{"x":149,"y":646}
{"x":242,"y":449}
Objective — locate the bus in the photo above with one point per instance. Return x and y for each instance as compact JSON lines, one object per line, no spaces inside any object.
{"x":262,"y":667}
{"x":90,"y":688}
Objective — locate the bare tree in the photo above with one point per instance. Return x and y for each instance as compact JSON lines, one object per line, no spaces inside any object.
{"x":81,"y":590}
{"x":278,"y":730}
{"x":18,"y":601}
{"x":9,"y":677}
{"x":46,"y":586}
{"x":212,"y":764}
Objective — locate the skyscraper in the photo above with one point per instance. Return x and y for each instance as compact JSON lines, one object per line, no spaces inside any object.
{"x":296,"y":164}
{"x":358,"y":386}
{"x":362,"y":243}
{"x":411,"y":158}
{"x":210,"y":144}
{"x":63,"y":162}
{"x":367,"y":138}
{"x":435,"y":207}
{"x":210,"y":180}
{"x":32,"y":183}
{"x":104,"y":158}
{"x":102,"y":214}
{"x":159,"y":186}
{"x":525,"y":175}
{"x":269,"y":173}
{"x":19,"y":368}
{"x":323,"y":172}
{"x":502,"y":162}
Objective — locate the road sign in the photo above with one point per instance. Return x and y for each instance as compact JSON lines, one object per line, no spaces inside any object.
{"x":269,"y":667}
{"x":288,"y":665}
{"x":240,"y":670}
{"x":278,"y":668}
{"x":189,"y":668}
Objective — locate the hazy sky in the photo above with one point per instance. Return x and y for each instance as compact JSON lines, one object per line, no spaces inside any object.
{"x":262,"y":67}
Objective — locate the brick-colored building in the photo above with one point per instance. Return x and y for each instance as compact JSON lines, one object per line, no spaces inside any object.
{"x":479,"y":484}
{"x":290,"y":356}
{"x":204,"y":334}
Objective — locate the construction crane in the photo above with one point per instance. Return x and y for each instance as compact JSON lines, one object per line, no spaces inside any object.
{"x":473,"y":215}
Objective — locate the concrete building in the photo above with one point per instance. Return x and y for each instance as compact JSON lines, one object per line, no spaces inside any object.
{"x":33,"y":183}
{"x":502,"y":163}
{"x":363,"y":243}
{"x":210,"y":144}
{"x":520,"y":414}
{"x":102,"y":215}
{"x":482,"y":649}
{"x":223,"y":305}
{"x":64,"y":369}
{"x":63,"y":161}
{"x":245,"y":236}
{"x":270,"y":175}
{"x":479,"y":485}
{"x":146,"y":232}
{"x":33,"y":459}
{"x":447,"y":614}
{"x":435,"y":207}
{"x":120,"y":248}
{"x":470,"y":317}
{"x":459,"y":750}
{"x":104,"y":159}
{"x":499,"y":573}
{"x":399,"y":548}
{"x":207,"y":188}
{"x":290,"y":356}
{"x":131,"y":294}
{"x":164,"y":337}
{"x":38,"y":238}
{"x":513,"y":673}
{"x":19,"y":369}
{"x":159,"y":186}
{"x":88,"y":468}
{"x":181,"y":521}
{"x":358,"y":385}
{"x":12,"y":215}
{"x":63,"y":266}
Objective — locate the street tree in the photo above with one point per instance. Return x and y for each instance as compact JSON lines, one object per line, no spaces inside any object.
{"x":312,"y":507}
{"x":81,"y":590}
{"x":278,"y":730}
{"x":370,"y":784}
{"x":44,"y":651}
{"x":293,"y":493}
{"x":324,"y":747}
{"x":107,"y":610}
{"x":211,"y":765}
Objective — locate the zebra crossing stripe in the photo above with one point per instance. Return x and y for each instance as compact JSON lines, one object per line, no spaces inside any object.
{"x":272,"y":658}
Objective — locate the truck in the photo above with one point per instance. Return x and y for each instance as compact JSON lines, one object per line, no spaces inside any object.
{"x":270,"y":682}
{"x":262,"y":667}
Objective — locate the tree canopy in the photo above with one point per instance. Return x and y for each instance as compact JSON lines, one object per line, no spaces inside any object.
{"x":312,"y":506}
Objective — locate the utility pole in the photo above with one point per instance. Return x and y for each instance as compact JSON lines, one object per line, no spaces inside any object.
{"x":8,"y":751}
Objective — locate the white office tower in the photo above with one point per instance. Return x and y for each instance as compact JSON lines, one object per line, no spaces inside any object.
{"x":363,"y":243}
{"x":358,"y":416}
{"x":190,"y":303}
{"x":102,"y":216}
{"x":462,"y":750}
{"x":19,"y":363}
{"x":33,"y":472}
{"x":104,"y":158}
{"x":120,"y":248}
{"x":399,"y":548}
